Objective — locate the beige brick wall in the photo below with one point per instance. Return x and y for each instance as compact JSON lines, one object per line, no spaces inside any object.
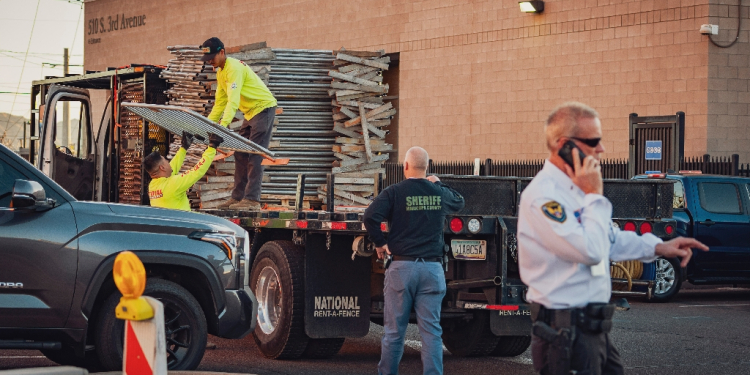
{"x":728,"y":76}
{"x":478,"y":78}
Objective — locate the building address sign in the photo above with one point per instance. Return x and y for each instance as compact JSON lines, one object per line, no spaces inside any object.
{"x":111,"y":24}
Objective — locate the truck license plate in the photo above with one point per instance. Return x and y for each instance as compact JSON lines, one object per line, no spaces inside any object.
{"x":469,"y":249}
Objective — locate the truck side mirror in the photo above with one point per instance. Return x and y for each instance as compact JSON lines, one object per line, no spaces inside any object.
{"x":27,"y":194}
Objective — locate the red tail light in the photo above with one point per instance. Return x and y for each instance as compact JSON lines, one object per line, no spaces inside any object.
{"x":629,"y":226}
{"x":456,"y":225}
{"x":338,"y":225}
{"x":646,"y":227}
{"x":669,"y":229}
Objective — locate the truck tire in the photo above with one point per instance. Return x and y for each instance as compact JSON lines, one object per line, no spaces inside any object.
{"x":277,"y":279}
{"x":470,"y":339}
{"x":185,"y":327}
{"x":511,"y":346}
{"x":668,"y":280}
{"x":323,"y":348}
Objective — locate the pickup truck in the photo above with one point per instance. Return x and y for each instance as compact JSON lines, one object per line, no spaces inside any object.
{"x":57,"y":293}
{"x":716,"y":211}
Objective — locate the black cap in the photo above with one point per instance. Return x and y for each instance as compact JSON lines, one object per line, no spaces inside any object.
{"x":210,"y":48}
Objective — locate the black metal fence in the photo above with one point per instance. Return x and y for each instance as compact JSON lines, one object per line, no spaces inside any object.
{"x":611,"y":168}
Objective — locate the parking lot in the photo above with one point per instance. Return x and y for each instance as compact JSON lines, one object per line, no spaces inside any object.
{"x":702,"y":331}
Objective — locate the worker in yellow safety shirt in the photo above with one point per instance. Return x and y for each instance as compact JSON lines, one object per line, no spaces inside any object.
{"x":168,"y":187}
{"x":238,"y":87}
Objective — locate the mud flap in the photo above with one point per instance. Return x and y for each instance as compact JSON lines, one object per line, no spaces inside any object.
{"x":337,"y":288}
{"x":511,"y":323}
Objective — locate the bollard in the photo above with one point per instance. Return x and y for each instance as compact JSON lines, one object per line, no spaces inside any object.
{"x":144,"y":349}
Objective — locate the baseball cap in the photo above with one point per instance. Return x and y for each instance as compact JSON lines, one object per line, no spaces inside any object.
{"x":210,"y":48}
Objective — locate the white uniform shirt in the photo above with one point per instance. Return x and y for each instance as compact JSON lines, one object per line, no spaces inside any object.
{"x":566,"y":239}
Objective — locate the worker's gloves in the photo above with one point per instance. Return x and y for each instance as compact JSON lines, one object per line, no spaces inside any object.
{"x":214,"y":140}
{"x":187,"y":140}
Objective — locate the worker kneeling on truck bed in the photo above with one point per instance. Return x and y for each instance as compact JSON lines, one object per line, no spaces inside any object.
{"x":168,"y":187}
{"x":238,"y":87}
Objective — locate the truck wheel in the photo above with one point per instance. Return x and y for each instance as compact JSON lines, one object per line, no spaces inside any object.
{"x":277,"y":280}
{"x":185,"y":327}
{"x":511,"y":346}
{"x":470,"y":339}
{"x":323,"y":348}
{"x":668,"y":281}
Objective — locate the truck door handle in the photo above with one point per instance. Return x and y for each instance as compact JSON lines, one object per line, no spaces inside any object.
{"x":707,"y":223}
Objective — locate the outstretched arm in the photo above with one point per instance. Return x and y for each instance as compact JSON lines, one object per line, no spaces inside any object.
{"x":184,"y":181}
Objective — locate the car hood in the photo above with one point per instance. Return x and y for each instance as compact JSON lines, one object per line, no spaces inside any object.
{"x":95,"y":212}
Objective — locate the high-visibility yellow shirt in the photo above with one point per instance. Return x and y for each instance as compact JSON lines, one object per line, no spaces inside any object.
{"x":171,"y":192}
{"x":238,"y":87}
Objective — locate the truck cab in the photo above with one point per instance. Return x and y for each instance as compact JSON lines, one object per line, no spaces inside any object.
{"x":96,"y":157}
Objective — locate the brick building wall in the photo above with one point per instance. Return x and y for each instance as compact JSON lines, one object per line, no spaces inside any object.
{"x":728,"y":75}
{"x":478,"y":78}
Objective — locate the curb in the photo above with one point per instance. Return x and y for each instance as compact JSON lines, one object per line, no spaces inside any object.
{"x":58,"y":370}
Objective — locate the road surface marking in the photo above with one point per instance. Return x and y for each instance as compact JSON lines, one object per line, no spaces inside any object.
{"x":520,"y":359}
{"x":728,"y":305}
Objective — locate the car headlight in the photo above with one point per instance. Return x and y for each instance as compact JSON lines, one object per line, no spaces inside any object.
{"x":474,"y":225}
{"x":226,"y":241}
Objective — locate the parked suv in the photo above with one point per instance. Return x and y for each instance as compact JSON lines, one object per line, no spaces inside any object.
{"x":57,"y":293}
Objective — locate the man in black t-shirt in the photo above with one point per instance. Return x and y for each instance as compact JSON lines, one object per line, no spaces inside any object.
{"x":416,"y":210}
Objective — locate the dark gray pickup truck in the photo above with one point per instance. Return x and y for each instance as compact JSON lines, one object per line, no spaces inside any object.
{"x":56,"y":288}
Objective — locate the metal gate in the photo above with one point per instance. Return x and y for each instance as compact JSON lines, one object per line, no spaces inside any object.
{"x":657,"y":143}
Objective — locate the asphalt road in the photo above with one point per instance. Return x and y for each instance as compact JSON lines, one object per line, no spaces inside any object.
{"x":702,"y":331}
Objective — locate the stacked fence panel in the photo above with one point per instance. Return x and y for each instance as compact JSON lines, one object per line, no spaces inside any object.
{"x":304,"y":132}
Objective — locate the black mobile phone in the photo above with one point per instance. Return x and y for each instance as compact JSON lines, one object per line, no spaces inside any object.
{"x":566,"y":153}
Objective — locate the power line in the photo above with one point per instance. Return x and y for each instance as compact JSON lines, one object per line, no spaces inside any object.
{"x":20,"y":77}
{"x":35,"y":53}
{"x":76,"y":33}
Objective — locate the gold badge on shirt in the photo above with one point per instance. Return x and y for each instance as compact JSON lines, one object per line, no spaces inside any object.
{"x":554,"y":211}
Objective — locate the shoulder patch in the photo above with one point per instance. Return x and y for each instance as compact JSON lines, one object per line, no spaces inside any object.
{"x":234,"y":85}
{"x":554,"y":211}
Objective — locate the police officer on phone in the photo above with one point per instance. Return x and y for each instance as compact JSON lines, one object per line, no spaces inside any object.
{"x":415,"y":209}
{"x":565,"y":242}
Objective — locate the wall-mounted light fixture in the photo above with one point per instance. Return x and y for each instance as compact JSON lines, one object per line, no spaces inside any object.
{"x":531,"y":6}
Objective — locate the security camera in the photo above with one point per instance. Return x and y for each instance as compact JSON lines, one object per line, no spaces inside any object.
{"x":708,"y":29}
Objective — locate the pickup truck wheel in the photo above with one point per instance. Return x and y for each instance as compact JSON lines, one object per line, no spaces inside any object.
{"x":323,"y":348}
{"x":184,"y":327}
{"x":470,"y":339}
{"x":277,"y":280}
{"x":511,"y":346}
{"x":668,"y":281}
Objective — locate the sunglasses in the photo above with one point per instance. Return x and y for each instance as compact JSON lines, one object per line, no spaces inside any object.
{"x":591,"y":142}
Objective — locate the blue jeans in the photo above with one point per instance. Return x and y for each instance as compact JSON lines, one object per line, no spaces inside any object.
{"x":420,"y":285}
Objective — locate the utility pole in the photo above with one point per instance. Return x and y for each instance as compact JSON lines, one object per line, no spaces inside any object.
{"x":24,"y":135}
{"x":65,"y":139}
